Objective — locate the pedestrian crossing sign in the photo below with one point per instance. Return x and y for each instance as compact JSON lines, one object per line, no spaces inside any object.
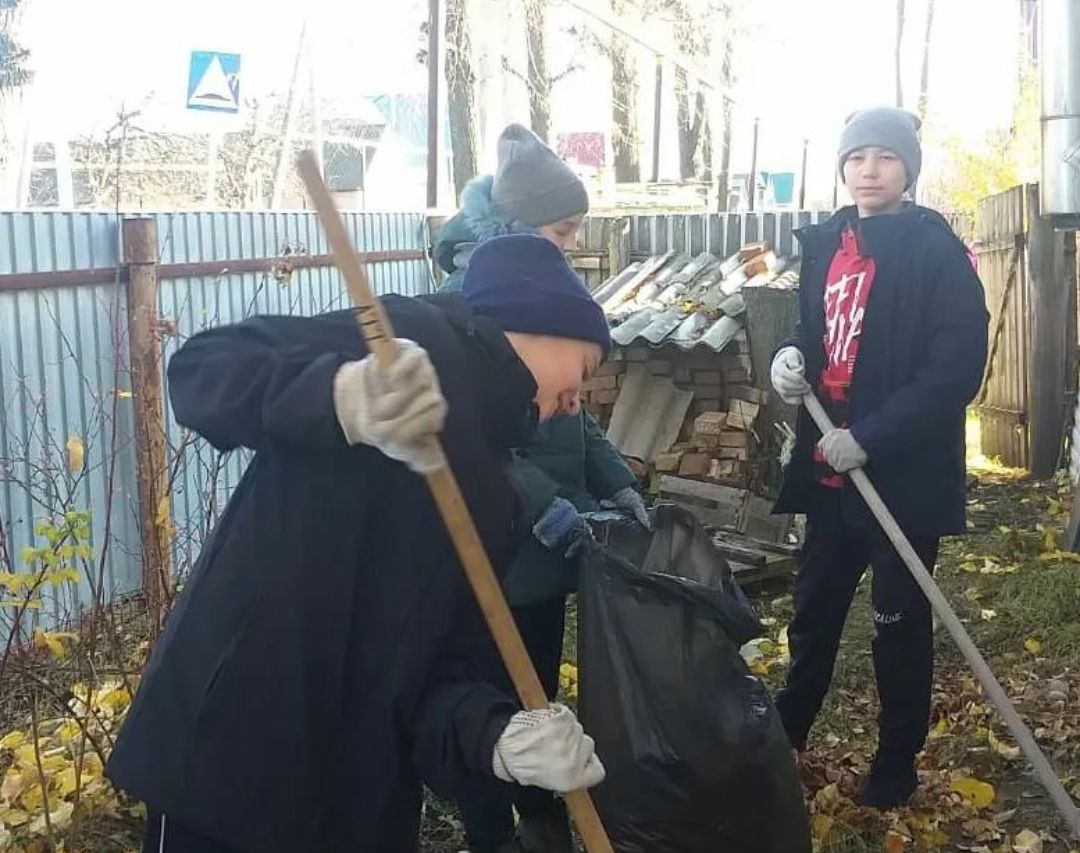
{"x":214,"y":81}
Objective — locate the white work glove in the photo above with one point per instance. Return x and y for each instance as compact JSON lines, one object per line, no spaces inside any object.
{"x":841,"y":450}
{"x":789,"y":375}
{"x":400,"y":410}
{"x":628,"y":500}
{"x":547,"y":749}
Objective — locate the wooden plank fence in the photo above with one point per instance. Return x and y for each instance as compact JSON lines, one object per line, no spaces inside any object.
{"x":1029,"y":271}
{"x":1001,"y":243}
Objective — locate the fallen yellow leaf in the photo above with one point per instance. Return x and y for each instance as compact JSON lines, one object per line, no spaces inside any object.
{"x":64,"y":781}
{"x":68,"y":732}
{"x":76,"y":455}
{"x":1002,"y":749}
{"x":822,"y":826}
{"x":12,"y":740}
{"x":978,"y":793}
{"x":32,"y":798}
{"x":1027,"y":841}
{"x":112,"y":698}
{"x":15,"y":782}
{"x":1033,"y":645}
{"x":50,"y":641}
{"x":26,"y":756}
{"x":59,"y":818}
{"x":894,"y":843}
{"x":16,"y":817}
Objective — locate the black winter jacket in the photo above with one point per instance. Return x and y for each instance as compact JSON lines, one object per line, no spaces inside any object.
{"x":324,"y":653}
{"x":920,"y":362}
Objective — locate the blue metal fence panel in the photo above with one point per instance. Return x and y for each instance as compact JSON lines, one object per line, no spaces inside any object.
{"x":204,"y":479}
{"x":63,"y":361}
{"x":64,"y":369}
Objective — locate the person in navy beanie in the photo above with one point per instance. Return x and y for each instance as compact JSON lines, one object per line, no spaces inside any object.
{"x":330,"y":566}
{"x":525,"y":284}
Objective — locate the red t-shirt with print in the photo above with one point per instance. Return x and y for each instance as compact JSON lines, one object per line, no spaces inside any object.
{"x":847,"y":289}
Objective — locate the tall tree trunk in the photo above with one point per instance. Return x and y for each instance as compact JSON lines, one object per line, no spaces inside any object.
{"x":460,"y":94}
{"x":626,"y":138}
{"x":897,"y":58}
{"x":707,"y":148}
{"x":690,"y":120}
{"x":924,"y":80}
{"x":539,"y":79}
{"x":727,"y":82}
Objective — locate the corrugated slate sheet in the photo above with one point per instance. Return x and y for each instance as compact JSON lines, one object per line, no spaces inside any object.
{"x":689,"y":302}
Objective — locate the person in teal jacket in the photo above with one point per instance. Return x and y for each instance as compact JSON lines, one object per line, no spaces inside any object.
{"x":569,"y":468}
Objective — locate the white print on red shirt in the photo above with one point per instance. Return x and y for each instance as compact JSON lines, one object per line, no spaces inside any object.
{"x":845,"y":305}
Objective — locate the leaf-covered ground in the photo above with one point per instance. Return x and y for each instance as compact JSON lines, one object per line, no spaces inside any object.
{"x":1017,"y":593}
{"x":1019,"y":598}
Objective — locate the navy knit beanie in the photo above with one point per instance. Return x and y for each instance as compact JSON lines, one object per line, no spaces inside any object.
{"x":524,"y":284}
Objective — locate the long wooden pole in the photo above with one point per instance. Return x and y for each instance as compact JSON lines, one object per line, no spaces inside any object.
{"x":375,"y":326}
{"x":990,"y":685}
{"x":151,"y":462}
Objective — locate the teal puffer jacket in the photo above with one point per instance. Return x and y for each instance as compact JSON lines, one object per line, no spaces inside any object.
{"x":569,"y":458}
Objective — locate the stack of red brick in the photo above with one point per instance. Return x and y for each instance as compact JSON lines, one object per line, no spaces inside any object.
{"x":717,"y":441}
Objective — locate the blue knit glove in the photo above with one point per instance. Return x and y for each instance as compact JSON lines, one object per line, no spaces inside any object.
{"x":561,"y":526}
{"x":630,"y":502}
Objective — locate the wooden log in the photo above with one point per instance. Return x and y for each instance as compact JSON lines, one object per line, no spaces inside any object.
{"x":151,"y":463}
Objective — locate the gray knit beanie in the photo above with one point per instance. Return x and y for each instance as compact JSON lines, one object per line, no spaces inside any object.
{"x":884,"y":127}
{"x":532,"y":184}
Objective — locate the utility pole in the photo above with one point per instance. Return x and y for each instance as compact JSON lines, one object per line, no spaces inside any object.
{"x":658,"y":105}
{"x":753,"y":168}
{"x":802,"y":176}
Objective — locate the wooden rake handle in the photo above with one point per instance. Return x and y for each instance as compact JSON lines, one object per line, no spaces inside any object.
{"x":990,"y":685}
{"x":375,"y":326}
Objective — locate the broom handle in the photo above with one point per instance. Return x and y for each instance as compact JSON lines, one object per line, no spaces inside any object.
{"x":990,"y":685}
{"x":379,"y":335}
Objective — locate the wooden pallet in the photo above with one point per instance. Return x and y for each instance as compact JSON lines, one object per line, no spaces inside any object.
{"x":753,"y":561}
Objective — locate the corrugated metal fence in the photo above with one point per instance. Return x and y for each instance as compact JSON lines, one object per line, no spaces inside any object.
{"x":65,"y":381}
{"x":720,"y":234}
{"x":608,"y":243}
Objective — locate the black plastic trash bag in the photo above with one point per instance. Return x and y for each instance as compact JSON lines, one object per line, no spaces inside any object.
{"x":696,"y":757}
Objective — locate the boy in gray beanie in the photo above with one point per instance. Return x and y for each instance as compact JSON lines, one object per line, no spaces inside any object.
{"x":887,"y":287}
{"x":570,"y":466}
{"x":532,"y":192}
{"x":886,"y":128}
